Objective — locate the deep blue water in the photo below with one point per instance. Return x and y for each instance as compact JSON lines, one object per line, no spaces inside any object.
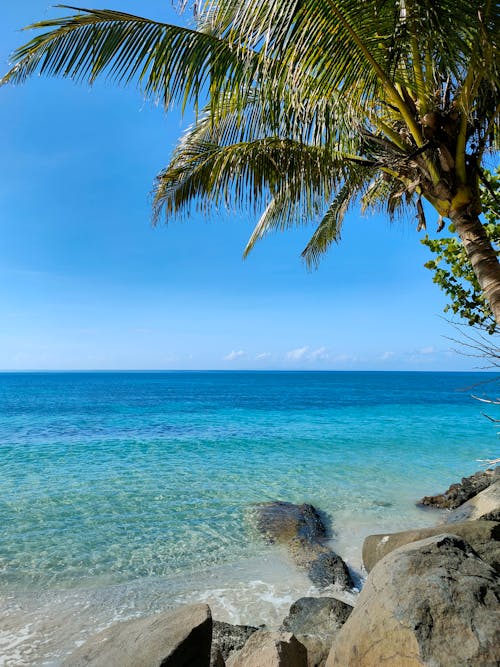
{"x":111,"y":477}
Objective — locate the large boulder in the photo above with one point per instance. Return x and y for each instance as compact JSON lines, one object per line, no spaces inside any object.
{"x":316,"y":622}
{"x":483,"y":536}
{"x":180,"y":638}
{"x":459,"y":493}
{"x":226,"y":639}
{"x":433,"y":602}
{"x":485,"y":505}
{"x":301,"y":529}
{"x":270,"y":649}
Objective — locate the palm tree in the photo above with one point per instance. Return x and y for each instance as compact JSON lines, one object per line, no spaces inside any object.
{"x":306,"y":108}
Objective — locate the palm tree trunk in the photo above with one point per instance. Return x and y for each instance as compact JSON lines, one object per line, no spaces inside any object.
{"x":482,"y":257}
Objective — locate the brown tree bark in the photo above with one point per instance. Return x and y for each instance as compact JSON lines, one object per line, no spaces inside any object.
{"x":482,"y":257}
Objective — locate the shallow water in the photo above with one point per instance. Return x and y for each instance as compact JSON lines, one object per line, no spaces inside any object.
{"x":128,"y":493}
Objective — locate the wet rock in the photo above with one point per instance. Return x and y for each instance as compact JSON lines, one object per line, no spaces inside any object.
{"x":382,"y":503}
{"x":459,"y":493}
{"x":281,"y":522}
{"x":172,"y":639}
{"x":432,"y":602}
{"x":226,"y":639}
{"x":301,"y":529}
{"x":483,"y":536}
{"x":327,"y":568}
{"x":316,"y":622}
{"x":270,"y":649}
{"x":486,"y":503}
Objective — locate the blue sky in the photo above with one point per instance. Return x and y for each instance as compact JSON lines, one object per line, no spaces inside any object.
{"x":87,"y":283}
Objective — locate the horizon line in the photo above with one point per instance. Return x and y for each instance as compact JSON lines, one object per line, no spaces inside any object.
{"x":241,"y":370}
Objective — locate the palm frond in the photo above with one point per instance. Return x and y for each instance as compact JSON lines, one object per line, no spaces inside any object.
{"x":203,"y":172}
{"x":309,"y":106}
{"x":169,"y":62}
{"x":329,"y":229}
{"x":280,"y":213}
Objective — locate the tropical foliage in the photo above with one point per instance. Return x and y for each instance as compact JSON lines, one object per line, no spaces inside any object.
{"x":452,"y":270}
{"x":307,"y":108}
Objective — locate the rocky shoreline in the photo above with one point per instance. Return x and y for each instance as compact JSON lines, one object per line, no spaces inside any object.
{"x":431,"y":597}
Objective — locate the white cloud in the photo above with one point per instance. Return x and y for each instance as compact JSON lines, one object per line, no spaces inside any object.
{"x":346,"y":358}
{"x":305,"y":353}
{"x":426,"y":350}
{"x":321,"y":354}
{"x":298,"y":353}
{"x":262,"y":356}
{"x":387,"y":355}
{"x":235,"y":354}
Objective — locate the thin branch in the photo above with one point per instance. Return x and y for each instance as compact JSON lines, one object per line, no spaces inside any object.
{"x":494,"y":401}
{"x":496,"y":421}
{"x":486,"y":463}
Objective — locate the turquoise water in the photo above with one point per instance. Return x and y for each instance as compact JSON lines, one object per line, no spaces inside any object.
{"x":124,"y":479}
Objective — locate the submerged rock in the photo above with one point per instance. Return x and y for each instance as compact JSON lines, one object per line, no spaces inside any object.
{"x":226,"y":639}
{"x":483,"y":536}
{"x":270,"y":649}
{"x":459,"y":493}
{"x":431,"y":602}
{"x":301,"y":529}
{"x":316,"y":622}
{"x":281,"y":522}
{"x":172,"y":639}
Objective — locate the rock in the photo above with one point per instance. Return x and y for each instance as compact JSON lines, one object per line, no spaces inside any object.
{"x":459,"y":493}
{"x":323,"y":565}
{"x":324,"y":616}
{"x":226,"y":639}
{"x":433,"y":602}
{"x":216,"y":659}
{"x":281,"y":522}
{"x":270,"y":649}
{"x":483,"y":536}
{"x":329,"y":568}
{"x":180,"y":638}
{"x":486,"y":503}
{"x":300,"y":527}
{"x":316,"y":622}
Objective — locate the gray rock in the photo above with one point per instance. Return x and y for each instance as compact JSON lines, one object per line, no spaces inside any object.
{"x":270,"y":649}
{"x":171,"y":639}
{"x":320,"y":616}
{"x":329,"y":568}
{"x":216,"y":659}
{"x":459,"y":493}
{"x":226,"y":639}
{"x":301,"y":529}
{"x":281,"y":522}
{"x":316,"y":622}
{"x":486,"y":503}
{"x":482,"y":535}
{"x":433,"y":602}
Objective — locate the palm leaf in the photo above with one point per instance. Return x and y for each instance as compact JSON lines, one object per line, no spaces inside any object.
{"x":309,"y":106}
{"x":243,"y":174}
{"x":329,"y":229}
{"x":168,"y":61}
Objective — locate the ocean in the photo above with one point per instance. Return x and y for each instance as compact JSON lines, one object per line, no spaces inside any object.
{"x":123,"y":494}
